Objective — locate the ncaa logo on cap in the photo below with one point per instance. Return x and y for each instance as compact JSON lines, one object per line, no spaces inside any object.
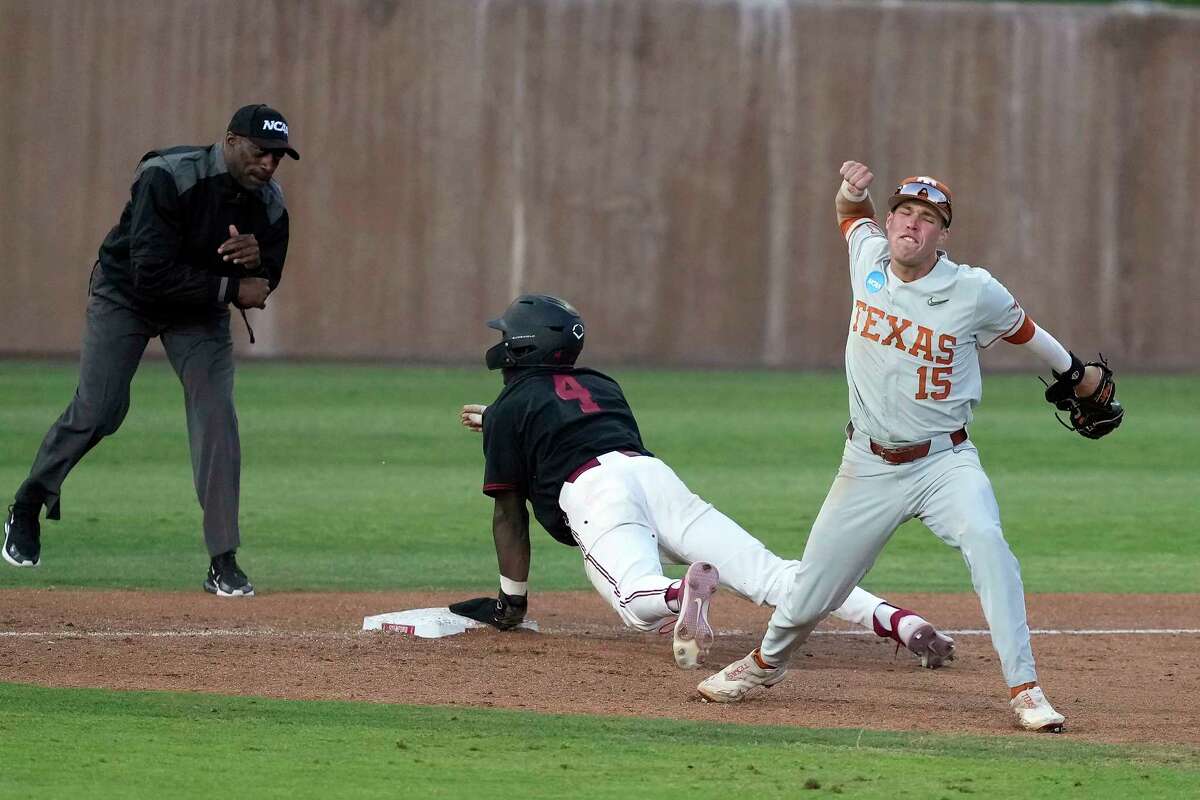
{"x":264,"y":126}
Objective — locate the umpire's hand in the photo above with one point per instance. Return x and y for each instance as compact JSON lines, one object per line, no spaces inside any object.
{"x":252,"y":292}
{"x":242,"y":249}
{"x":471,"y":416}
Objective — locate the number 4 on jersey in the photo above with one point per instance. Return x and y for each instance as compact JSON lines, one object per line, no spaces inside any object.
{"x":567,"y":388}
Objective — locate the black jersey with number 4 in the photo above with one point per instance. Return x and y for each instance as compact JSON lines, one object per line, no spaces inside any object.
{"x":546,"y":423}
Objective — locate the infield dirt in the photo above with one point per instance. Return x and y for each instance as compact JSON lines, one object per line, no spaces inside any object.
{"x":1131,"y":688}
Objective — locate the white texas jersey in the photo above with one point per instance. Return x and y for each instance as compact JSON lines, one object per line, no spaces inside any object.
{"x":912,"y":360}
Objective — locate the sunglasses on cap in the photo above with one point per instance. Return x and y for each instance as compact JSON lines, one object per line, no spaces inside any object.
{"x":928,"y":190}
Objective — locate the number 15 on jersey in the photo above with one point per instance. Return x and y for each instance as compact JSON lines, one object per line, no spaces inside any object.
{"x":936,"y":377}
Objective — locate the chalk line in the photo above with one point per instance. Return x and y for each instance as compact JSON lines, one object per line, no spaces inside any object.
{"x":209,"y":633}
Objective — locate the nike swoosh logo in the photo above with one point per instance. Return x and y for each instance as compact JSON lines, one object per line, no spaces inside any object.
{"x":938,"y":301}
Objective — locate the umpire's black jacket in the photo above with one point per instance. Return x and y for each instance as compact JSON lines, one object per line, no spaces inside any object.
{"x":162,"y":255}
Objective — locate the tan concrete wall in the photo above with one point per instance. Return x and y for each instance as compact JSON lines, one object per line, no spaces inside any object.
{"x":669,"y":165}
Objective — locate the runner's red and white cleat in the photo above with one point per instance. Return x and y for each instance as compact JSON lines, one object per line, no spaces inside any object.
{"x":693,"y":633}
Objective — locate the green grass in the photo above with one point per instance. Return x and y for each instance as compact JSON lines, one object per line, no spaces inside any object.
{"x":359,"y":477}
{"x":96,"y":744}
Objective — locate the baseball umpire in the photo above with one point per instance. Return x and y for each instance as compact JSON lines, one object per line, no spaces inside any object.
{"x":565,"y":439}
{"x":204,"y":227}
{"x":917,"y":323}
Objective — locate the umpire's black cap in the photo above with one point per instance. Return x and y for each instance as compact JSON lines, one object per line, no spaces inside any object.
{"x":264,"y":126}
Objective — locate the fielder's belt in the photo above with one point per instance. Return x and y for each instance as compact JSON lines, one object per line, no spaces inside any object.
{"x":908,"y":453}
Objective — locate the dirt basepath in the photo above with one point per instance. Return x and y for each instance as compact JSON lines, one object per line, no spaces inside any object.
{"x":1121,"y":687}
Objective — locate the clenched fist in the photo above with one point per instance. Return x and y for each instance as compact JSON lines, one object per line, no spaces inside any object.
{"x":857,"y":177}
{"x":471,"y":416}
{"x":252,"y":293}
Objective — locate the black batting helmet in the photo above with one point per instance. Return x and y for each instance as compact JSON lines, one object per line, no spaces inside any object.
{"x":539,"y":331}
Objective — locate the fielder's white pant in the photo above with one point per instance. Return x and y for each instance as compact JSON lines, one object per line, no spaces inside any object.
{"x":631,"y":513}
{"x":949,"y":492}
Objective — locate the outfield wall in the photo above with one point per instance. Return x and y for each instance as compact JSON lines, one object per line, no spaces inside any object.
{"x":668,"y":165}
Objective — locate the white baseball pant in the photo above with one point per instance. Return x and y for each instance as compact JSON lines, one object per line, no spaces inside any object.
{"x":630,"y":513}
{"x":950,"y":493}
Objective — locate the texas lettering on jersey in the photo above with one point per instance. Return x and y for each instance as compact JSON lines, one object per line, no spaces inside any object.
{"x":866,"y":321}
{"x":912,"y":350}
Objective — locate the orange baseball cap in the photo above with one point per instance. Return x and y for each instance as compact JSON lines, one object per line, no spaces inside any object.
{"x":926,"y":190}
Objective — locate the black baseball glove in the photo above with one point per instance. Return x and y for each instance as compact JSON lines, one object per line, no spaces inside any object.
{"x":504,"y":612}
{"x":1094,"y":416}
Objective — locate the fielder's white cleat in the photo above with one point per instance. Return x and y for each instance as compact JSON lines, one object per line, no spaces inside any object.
{"x":693,"y":633}
{"x":738,"y":679}
{"x":1034,"y":712}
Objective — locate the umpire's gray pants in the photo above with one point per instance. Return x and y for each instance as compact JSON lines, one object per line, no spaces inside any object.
{"x":201,"y":352}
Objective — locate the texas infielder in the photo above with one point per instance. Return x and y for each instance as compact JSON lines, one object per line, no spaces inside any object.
{"x":565,"y":439}
{"x":912,"y":364}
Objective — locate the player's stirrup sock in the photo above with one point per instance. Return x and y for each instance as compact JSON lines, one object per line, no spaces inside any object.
{"x":672,"y":596}
{"x":885,"y":613}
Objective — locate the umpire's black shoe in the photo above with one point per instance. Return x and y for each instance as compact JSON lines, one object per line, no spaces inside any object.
{"x":23,"y":536}
{"x":225,"y":579}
